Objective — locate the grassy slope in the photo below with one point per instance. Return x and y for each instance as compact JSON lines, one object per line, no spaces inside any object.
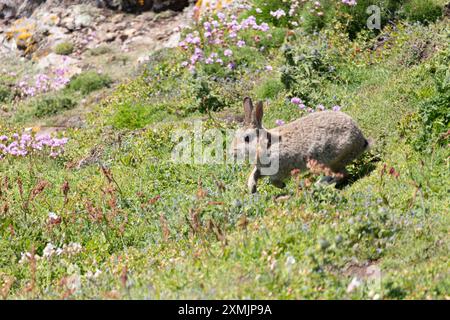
{"x":199,"y":240}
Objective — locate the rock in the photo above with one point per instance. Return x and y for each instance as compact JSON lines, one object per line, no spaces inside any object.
{"x":10,"y":9}
{"x":175,"y":5}
{"x":173,"y":40}
{"x":83,"y":21}
{"x":55,"y":61}
{"x":129,"y":32}
{"x":108,"y":37}
{"x":68,"y":23}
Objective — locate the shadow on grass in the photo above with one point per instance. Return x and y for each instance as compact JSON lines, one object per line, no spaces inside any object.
{"x":360,"y":169}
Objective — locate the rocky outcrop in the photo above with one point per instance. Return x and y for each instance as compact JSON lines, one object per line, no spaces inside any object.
{"x":12,"y":9}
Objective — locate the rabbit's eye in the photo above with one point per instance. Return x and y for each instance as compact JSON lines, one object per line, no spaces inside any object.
{"x":247,"y":139}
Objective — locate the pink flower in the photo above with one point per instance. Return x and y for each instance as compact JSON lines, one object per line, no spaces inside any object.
{"x":336,"y":108}
{"x":278,"y":14}
{"x":228,"y":53}
{"x":350,"y":2}
{"x":269,"y":68}
{"x":296,"y":100}
{"x":279,"y":122}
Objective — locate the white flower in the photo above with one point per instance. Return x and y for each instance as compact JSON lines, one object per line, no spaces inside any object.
{"x":24,"y":257}
{"x":72,"y":248}
{"x":354,"y":284}
{"x":52,"y":216}
{"x":49,"y":250}
{"x":290,"y":260}
{"x":278,"y":14}
{"x":91,"y":275}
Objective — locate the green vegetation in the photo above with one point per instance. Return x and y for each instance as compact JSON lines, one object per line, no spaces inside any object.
{"x":100,"y":50}
{"x":5,"y":94}
{"x":50,"y":105}
{"x":131,"y":223}
{"x":64,"y":48}
{"x":89,"y":81}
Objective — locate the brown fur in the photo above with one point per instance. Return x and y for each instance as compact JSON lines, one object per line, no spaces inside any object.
{"x":331,"y":138}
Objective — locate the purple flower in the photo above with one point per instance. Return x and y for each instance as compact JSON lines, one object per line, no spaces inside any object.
{"x":296,"y":100}
{"x":240,"y":43}
{"x":228,"y":53}
{"x":301,"y":106}
{"x":221,"y":16}
{"x":264,"y":27}
{"x":350,"y":2}
{"x":279,"y":122}
{"x":278,"y":14}
{"x":268,"y":68}
{"x":336,"y":108}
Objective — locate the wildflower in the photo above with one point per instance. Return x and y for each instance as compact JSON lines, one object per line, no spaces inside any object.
{"x":228,"y":53}
{"x":72,"y":248}
{"x":354,"y":284}
{"x":49,"y":251}
{"x":269,"y":68}
{"x":336,"y":108}
{"x":221,"y":16}
{"x":321,"y":107}
{"x":290,"y":260}
{"x":264,"y":27}
{"x":231,"y":66}
{"x":279,"y":122}
{"x":278,"y":14}
{"x":350,"y":2}
{"x":301,"y":106}
{"x":240,"y":43}
{"x":296,"y":100}
{"x":52,"y":216}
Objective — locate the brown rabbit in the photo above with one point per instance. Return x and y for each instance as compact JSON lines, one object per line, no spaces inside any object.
{"x":330,"y":138}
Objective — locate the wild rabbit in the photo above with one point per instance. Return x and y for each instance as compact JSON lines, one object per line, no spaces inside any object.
{"x":330,"y":138}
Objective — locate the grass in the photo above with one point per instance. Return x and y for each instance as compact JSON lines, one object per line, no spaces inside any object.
{"x":156,"y":229}
{"x":64,"y":48}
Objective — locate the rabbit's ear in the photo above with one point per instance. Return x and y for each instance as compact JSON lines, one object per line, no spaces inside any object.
{"x":258,"y":115}
{"x":248,"y":110}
